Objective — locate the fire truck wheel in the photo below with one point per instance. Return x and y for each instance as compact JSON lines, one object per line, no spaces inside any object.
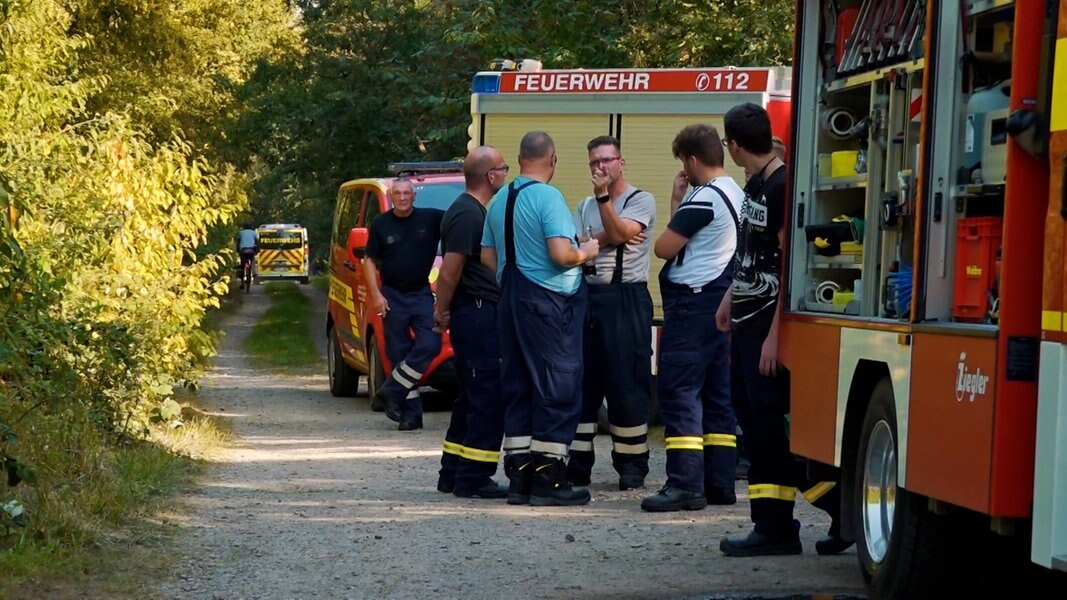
{"x":902,"y":547}
{"x":375,"y":373}
{"x":344,"y":380}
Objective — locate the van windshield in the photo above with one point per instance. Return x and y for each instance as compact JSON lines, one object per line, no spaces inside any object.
{"x":437,"y":195}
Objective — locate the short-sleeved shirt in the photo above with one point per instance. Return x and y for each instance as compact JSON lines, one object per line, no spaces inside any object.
{"x":635,"y":205}
{"x":757,"y":281}
{"x":709,"y":225}
{"x":246,"y":238}
{"x":404,"y":248}
{"x":541,"y":213}
{"x":461,"y":232}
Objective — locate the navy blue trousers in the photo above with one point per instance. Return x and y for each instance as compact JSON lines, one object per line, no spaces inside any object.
{"x":472,"y":442}
{"x":411,"y":344}
{"x":617,"y":367}
{"x":540,"y":345}
{"x":775,"y":474}
{"x":693,"y":386}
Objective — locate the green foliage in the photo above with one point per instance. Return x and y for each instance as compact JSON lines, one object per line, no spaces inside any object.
{"x":105,"y":213}
{"x":383,"y":80}
{"x":282,"y":337}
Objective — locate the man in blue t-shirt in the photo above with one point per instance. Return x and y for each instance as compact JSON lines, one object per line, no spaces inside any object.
{"x":530,"y":241}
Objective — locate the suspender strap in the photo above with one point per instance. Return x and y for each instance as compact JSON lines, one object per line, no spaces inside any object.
{"x":729,"y":207}
{"x":616,"y":275}
{"x":509,"y":220}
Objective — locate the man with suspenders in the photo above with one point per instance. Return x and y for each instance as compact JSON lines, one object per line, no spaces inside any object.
{"x":618,"y":324}
{"x":530,"y":241}
{"x":694,"y":371}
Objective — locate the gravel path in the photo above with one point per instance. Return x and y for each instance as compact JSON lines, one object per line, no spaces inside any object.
{"x":319,"y":497}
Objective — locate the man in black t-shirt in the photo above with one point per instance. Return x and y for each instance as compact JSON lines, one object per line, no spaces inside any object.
{"x":402,"y":247}
{"x":467,"y":295}
{"x":759,"y":385}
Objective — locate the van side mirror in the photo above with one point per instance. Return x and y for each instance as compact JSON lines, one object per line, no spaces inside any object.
{"x":357,"y":241}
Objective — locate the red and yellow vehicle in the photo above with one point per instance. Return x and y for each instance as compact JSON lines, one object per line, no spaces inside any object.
{"x":925,"y":299}
{"x":355,"y":333}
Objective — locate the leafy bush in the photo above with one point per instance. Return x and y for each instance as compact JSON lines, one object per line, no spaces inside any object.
{"x":102,"y":287}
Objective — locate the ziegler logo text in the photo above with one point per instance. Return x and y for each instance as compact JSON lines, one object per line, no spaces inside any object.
{"x":968,"y":384}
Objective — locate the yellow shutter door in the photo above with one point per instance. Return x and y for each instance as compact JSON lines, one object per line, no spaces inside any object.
{"x":571,"y":133}
{"x":650,"y":165}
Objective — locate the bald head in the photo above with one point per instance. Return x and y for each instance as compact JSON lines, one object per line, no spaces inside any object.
{"x":478,"y":163}
{"x":536,"y":145}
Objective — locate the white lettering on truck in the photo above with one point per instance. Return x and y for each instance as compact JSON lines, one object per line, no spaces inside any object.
{"x":968,"y":383}
{"x":582,"y":82}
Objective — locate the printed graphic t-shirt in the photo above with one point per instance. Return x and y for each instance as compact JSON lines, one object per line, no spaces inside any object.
{"x":758,"y":278}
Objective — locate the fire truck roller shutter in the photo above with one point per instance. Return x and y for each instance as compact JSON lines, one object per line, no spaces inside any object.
{"x":571,"y":133}
{"x":650,"y":165}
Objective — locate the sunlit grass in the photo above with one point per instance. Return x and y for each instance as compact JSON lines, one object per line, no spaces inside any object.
{"x":94,"y":511}
{"x":282,"y":338}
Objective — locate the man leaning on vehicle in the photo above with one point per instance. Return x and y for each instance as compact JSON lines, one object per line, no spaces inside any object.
{"x":402,"y":246}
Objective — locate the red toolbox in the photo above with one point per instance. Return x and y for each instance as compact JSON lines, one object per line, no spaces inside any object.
{"x":977,"y":250}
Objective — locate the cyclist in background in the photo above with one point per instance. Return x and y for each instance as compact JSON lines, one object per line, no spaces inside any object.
{"x":246,"y":248}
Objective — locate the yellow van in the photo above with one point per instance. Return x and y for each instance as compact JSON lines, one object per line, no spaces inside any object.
{"x":282,"y":252}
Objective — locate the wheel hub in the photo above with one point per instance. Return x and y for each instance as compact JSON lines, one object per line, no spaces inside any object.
{"x":879,"y":491}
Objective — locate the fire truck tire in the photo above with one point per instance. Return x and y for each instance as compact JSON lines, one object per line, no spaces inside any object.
{"x":344,"y":380}
{"x":902,"y":547}
{"x":375,"y":373}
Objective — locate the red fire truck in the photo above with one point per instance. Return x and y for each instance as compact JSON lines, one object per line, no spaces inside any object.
{"x":925,"y":298}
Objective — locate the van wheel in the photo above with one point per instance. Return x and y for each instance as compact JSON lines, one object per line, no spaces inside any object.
{"x":344,"y":380}
{"x":902,"y":547}
{"x":375,"y":373}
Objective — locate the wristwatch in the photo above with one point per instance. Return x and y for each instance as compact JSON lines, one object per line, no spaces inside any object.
{"x":603,"y":199}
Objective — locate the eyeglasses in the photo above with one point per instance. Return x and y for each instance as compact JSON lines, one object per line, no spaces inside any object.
{"x":501,"y":168}
{"x":596,"y":162}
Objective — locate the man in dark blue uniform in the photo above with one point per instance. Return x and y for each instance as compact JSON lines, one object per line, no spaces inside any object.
{"x":760,"y":385}
{"x":693,"y":384}
{"x":402,"y":246}
{"x":530,"y":240}
{"x":618,"y":327}
{"x":467,"y":297}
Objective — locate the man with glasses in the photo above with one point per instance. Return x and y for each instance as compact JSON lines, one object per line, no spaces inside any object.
{"x":760,"y":384}
{"x":530,"y":240}
{"x":618,"y":325}
{"x":467,"y":297}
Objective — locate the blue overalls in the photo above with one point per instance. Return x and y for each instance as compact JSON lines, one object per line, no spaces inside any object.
{"x":617,"y":366}
{"x":693,"y":386}
{"x":409,"y":313}
{"x":540,"y":342}
{"x":472,"y":442}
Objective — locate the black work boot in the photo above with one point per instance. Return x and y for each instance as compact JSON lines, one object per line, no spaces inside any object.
{"x":519,"y":469}
{"x":631,"y":482}
{"x":669,"y":499}
{"x":758,"y":544}
{"x":489,"y":489}
{"x":832,"y":543}
{"x":550,"y":485}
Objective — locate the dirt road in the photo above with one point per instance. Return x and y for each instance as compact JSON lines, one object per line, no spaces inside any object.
{"x":319,"y":497}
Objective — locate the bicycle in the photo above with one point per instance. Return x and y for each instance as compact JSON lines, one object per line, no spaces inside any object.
{"x":248,"y":255}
